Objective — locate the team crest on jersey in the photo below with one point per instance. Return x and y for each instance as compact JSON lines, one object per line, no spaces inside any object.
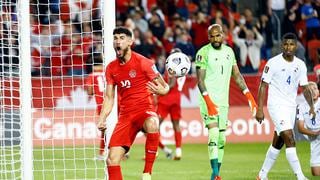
{"x":266,"y":69}
{"x":132,"y":73}
{"x":199,"y":58}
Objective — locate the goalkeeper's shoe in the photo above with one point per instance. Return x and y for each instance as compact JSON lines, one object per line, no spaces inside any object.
{"x":218,"y":178}
{"x":146,"y":176}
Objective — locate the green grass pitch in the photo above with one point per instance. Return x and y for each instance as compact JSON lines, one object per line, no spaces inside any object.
{"x":241,"y":162}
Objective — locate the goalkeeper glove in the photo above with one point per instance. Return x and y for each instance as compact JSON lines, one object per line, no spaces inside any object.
{"x":212,"y":108}
{"x":251,"y":101}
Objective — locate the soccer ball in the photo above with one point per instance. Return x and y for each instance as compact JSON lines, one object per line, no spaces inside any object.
{"x":178,"y":64}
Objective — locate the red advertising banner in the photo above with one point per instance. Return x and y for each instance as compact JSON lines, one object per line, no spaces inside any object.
{"x":78,"y":127}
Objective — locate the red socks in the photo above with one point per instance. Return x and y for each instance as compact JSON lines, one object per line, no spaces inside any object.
{"x":178,"y":138}
{"x":114,"y":173}
{"x":161,"y":146}
{"x":151,"y":148}
{"x":102,"y":144}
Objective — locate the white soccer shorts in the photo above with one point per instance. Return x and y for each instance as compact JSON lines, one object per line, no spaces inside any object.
{"x":315,"y":152}
{"x":283,"y":117}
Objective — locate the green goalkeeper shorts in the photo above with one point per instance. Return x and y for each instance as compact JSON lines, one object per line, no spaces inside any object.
{"x":221,"y":118}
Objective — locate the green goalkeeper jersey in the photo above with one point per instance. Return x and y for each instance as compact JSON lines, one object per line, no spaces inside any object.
{"x":218,"y":65}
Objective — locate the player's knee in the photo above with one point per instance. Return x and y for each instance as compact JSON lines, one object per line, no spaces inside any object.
{"x":113,"y":161}
{"x":222,"y":142}
{"x":176,"y":127}
{"x":151,"y":125}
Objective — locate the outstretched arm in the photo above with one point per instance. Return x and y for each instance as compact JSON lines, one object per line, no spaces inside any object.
{"x":106,"y":107}
{"x":261,"y":97}
{"x":212,"y":108}
{"x":243,"y":87}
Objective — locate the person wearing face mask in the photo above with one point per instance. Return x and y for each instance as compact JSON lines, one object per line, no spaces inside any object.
{"x":250,"y":48}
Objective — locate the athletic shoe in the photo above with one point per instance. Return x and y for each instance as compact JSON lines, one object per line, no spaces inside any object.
{"x":177,"y":158}
{"x":146,"y":176}
{"x":217,"y":178}
{"x":168,"y":155}
{"x":258,"y":178}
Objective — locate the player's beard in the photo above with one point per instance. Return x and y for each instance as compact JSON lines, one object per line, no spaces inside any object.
{"x":121,"y":53}
{"x":216,"y":45}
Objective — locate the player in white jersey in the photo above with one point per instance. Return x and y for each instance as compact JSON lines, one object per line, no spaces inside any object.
{"x":311,"y":126}
{"x":283,"y":74}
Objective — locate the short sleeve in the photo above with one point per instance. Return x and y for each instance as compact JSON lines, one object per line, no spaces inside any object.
{"x":300,"y":113}
{"x":202,"y":58}
{"x":108,"y":75}
{"x":234,"y":61}
{"x":303,"y":79}
{"x":149,"y":68}
{"x":267,"y":74}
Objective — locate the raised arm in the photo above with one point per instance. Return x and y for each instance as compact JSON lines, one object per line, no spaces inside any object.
{"x":106,"y":107}
{"x":261,"y":97}
{"x":243,"y":87}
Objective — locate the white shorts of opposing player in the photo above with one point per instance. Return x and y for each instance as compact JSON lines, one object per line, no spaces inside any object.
{"x":315,"y":152}
{"x":283,"y":117}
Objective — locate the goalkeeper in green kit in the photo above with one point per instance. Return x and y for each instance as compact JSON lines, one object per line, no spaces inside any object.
{"x":215,"y":64}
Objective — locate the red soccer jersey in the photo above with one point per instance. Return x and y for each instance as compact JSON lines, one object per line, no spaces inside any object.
{"x":96,"y":79}
{"x":131,"y":80}
{"x":174,"y":95}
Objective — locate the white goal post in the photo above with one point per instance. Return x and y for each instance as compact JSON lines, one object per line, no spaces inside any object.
{"x":47,"y":119}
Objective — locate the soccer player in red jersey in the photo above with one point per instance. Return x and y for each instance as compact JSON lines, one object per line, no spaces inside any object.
{"x":95,"y":86}
{"x":171,"y":104}
{"x":136,"y":78}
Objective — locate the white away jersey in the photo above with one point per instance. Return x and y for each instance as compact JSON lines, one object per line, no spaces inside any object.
{"x":284,"y":78}
{"x":303,"y":115}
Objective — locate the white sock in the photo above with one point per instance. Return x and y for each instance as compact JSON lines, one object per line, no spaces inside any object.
{"x":178,"y":152}
{"x":271,"y":157}
{"x":293,"y":160}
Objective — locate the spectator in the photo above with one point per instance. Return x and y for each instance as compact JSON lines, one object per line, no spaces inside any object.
{"x":199,"y":30}
{"x":156,"y":24}
{"x":264,"y":27}
{"x":310,"y":15}
{"x":184,"y":45}
{"x":249,"y":49}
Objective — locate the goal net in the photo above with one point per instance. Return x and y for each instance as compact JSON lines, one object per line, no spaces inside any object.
{"x":47,"y":118}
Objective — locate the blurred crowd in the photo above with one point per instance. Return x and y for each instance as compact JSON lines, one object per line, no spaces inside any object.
{"x":66,"y":35}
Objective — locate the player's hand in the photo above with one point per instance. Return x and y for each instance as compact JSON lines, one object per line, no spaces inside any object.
{"x":102,"y":126}
{"x":260,"y":115}
{"x":311,"y":112}
{"x":212,"y":108}
{"x":252,"y":103}
{"x":157,"y":88}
